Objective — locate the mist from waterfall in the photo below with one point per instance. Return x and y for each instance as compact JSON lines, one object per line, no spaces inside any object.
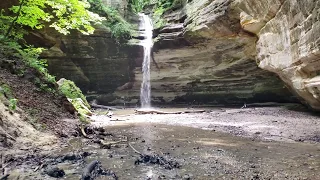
{"x":146,"y":30}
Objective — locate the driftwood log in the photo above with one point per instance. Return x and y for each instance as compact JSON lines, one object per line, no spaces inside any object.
{"x":93,"y":105}
{"x":154,"y":111}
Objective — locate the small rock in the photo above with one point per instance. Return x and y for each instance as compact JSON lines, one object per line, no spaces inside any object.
{"x":55,"y":172}
{"x":253,"y":166}
{"x":187,"y":177}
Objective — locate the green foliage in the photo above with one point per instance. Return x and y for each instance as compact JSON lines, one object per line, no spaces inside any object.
{"x":7,"y":96}
{"x":157,"y":17}
{"x":30,"y":58}
{"x":165,"y":4}
{"x":119,"y":27}
{"x":63,"y":15}
{"x":5,"y":22}
{"x":159,"y":8}
{"x":138,"y":5}
{"x":13,"y":104}
{"x":6,"y":91}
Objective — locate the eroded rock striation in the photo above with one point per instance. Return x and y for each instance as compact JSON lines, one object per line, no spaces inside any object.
{"x":205,"y":56}
{"x":209,"y":52}
{"x":289,"y":42}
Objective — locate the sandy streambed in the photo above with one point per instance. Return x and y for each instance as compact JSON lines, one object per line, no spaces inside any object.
{"x":252,"y":143}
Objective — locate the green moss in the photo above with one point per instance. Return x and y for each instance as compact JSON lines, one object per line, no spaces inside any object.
{"x":77,"y":99}
{"x":84,"y":119}
{"x":8,"y":97}
{"x":6,"y":91}
{"x":81,"y":107}
{"x":71,"y":91}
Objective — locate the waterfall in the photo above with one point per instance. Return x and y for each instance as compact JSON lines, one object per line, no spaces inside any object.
{"x":146,"y":29}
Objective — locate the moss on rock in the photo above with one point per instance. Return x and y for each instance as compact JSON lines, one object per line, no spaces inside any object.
{"x":75,"y":96}
{"x":71,"y":91}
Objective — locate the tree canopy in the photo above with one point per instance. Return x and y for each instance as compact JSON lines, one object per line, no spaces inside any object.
{"x":63,"y":15}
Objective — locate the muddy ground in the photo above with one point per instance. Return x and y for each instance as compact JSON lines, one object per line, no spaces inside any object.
{"x":222,"y":143}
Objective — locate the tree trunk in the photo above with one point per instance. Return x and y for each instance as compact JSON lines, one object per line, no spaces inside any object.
{"x":15,"y":19}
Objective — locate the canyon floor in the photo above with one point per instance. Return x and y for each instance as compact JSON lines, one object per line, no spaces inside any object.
{"x":221,"y":143}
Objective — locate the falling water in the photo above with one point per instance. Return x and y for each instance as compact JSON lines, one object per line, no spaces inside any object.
{"x":146,"y":31}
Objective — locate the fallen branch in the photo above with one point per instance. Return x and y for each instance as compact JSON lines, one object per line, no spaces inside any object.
{"x":107,"y":145}
{"x":136,"y":151}
{"x":116,"y":120}
{"x":154,"y":111}
{"x":38,"y":167}
{"x":83,"y":132}
{"x":102,"y":107}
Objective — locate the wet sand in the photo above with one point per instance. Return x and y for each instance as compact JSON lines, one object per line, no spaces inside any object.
{"x":252,"y":143}
{"x":264,"y":123}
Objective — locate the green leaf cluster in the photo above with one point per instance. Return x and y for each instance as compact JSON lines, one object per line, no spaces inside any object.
{"x":13,"y":104}
{"x":7,"y":96}
{"x":138,"y":5}
{"x":29,"y":56}
{"x":119,"y":27}
{"x":159,"y":8}
{"x":62,"y":15}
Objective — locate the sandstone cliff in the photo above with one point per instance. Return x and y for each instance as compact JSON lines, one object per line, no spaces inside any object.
{"x":289,"y":42}
{"x":208,"y":53}
{"x":206,"y":57}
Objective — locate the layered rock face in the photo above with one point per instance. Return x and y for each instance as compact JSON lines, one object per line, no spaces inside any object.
{"x":289,"y":42}
{"x":205,"y":57}
{"x":208,"y":53}
{"x":95,"y":63}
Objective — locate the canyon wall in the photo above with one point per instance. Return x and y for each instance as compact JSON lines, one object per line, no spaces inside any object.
{"x":289,"y":42}
{"x":209,"y":52}
{"x":205,"y":57}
